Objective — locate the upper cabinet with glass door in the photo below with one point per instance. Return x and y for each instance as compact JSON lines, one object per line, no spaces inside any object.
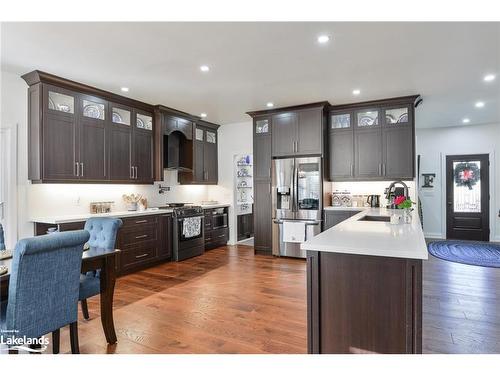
{"x":144,"y":121}
{"x":211,"y":136}
{"x":263,"y":127}
{"x":397,"y":116}
{"x":367,"y":118}
{"x":120,"y":115}
{"x":340,"y":121}
{"x":93,"y":108}
{"x":61,"y":101}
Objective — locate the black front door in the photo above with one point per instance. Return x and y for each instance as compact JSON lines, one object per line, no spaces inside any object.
{"x":467,"y":197}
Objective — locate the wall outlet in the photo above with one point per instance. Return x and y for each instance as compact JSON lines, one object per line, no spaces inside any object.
{"x":78,"y":201}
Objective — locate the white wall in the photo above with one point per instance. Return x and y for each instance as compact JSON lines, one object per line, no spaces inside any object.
{"x":233,"y":139}
{"x":433,"y":145}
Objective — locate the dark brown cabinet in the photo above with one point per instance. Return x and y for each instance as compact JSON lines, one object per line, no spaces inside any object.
{"x":262,"y":217}
{"x":334,"y":217}
{"x":363,"y":304}
{"x":298,"y":132}
{"x":216,"y":227}
{"x":143,"y":240}
{"x":262,"y":151}
{"x":245,"y":226}
{"x":78,"y":133}
{"x":205,"y":166}
{"x":373,"y":140}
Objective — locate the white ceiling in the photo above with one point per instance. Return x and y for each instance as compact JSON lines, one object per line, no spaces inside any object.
{"x":254,"y":63}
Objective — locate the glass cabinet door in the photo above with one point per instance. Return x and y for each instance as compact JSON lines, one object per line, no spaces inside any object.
{"x":262,"y":126}
{"x":396,"y":116}
{"x":340,"y":121}
{"x":200,"y":134}
{"x":120,"y":116}
{"x":211,"y":137}
{"x":93,"y":109}
{"x":61,"y":102}
{"x":144,"y":122}
{"x":367,"y":118}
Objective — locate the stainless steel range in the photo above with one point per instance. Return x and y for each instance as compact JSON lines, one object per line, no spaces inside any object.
{"x":188,"y":232}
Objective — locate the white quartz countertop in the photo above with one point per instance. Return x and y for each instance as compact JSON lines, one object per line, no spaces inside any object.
{"x":372,"y":238}
{"x":61,"y":219}
{"x":342,"y":208}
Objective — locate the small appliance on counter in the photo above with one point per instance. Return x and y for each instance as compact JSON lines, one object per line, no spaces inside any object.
{"x":373,"y":200}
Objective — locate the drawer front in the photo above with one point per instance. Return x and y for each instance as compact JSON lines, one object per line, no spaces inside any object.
{"x":138,"y":221}
{"x":132,"y":236}
{"x":141,"y":254}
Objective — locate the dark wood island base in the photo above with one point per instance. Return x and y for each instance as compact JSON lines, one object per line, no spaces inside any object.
{"x":363,"y":304}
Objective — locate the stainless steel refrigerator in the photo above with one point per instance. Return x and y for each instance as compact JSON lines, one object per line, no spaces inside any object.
{"x":297,"y":197}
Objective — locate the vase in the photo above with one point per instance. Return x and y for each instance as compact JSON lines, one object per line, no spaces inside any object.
{"x":132,"y":206}
{"x":407,"y":215}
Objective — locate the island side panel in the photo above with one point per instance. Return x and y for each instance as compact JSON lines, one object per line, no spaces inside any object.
{"x":363,"y":304}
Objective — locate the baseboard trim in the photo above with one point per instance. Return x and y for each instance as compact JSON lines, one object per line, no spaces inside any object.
{"x":437,"y":236}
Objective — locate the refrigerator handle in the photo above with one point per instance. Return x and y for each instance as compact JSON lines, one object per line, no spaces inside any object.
{"x":296,"y":186}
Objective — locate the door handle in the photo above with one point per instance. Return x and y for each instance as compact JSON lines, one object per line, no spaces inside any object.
{"x":81,"y":164}
{"x":77,"y":169}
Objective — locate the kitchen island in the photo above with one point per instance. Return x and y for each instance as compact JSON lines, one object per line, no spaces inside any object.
{"x":364,"y":283}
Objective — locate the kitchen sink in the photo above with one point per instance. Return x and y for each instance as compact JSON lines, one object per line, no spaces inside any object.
{"x":375,"y":218}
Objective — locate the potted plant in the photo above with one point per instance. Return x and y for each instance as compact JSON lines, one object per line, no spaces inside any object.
{"x":406,"y":204}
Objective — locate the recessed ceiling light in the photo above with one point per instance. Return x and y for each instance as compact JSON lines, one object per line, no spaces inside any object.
{"x":479,"y":104}
{"x":322,"y":39}
{"x":489,"y":77}
{"x":356,"y":92}
{"x":270,"y":104}
{"x":203,"y":115}
{"x":466,"y":120}
{"x":124,"y":89}
{"x":204,"y":68}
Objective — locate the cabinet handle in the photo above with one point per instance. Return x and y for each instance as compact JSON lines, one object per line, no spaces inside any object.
{"x":380,"y":169}
{"x":81,"y":164}
{"x":141,"y":256}
{"x":77,"y":169}
{"x":383,"y":169}
{"x":135,"y":168}
{"x":131,"y":172}
{"x":141,"y":221}
{"x":352,"y":170}
{"x":141,"y":236}
{"x":269,"y":172}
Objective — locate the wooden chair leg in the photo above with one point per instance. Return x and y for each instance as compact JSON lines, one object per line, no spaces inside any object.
{"x":73,"y":334}
{"x":85,"y":309}
{"x":56,"y":335}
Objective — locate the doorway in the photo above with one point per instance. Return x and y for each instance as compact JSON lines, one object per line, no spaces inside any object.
{"x":468,"y":197}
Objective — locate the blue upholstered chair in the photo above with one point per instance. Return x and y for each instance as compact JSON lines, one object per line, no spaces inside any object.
{"x":2,"y":239}
{"x":43,"y":289}
{"x":103,"y":232}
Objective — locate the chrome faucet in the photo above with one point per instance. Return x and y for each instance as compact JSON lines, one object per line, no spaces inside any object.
{"x":390,"y":193}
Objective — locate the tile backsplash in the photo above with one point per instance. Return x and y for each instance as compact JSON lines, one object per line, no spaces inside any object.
{"x":369,"y":187}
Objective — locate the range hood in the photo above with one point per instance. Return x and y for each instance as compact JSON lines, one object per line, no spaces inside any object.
{"x":177,"y":152}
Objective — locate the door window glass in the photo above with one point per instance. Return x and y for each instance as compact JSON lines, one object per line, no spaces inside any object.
{"x":467,"y":186}
{"x":308,"y":186}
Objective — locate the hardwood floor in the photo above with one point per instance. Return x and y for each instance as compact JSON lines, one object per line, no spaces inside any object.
{"x":232,"y":301}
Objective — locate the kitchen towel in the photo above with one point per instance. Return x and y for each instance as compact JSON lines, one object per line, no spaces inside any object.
{"x":294,"y":231}
{"x":191,"y":226}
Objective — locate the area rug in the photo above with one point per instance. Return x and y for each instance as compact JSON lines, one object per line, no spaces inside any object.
{"x":474,"y":253}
